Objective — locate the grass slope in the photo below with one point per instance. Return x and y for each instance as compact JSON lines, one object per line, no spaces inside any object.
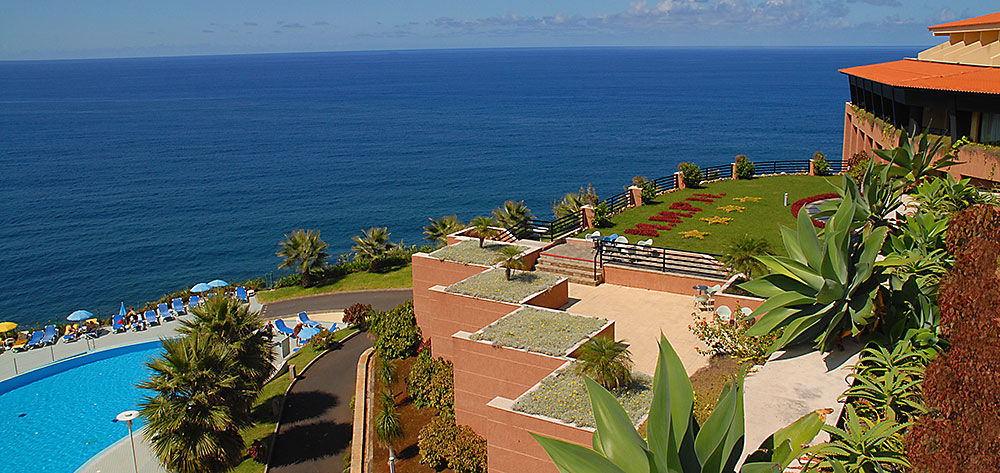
{"x":760,"y":218}
{"x":399,"y":278}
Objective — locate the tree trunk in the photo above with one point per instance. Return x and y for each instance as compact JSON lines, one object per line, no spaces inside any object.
{"x":392,"y":459}
{"x":306,"y":279}
{"x":481,"y":239}
{"x":508,"y":273}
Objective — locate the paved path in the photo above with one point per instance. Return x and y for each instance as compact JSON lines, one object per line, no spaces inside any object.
{"x":382,"y":299}
{"x":316,"y":424}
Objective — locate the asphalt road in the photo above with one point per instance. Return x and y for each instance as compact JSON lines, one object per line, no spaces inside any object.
{"x":381,"y":299}
{"x":316,"y":430}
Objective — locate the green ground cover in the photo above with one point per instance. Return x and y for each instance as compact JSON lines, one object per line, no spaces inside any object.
{"x":493,"y":285}
{"x":542,"y":331}
{"x":274,"y":391}
{"x":761,"y":218}
{"x":469,"y":252}
{"x":402,"y":277}
{"x":564,"y":397}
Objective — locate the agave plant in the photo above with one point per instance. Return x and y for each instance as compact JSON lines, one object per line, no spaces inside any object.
{"x":675,"y":442}
{"x":824,"y":286}
{"x":915,"y":159}
{"x":484,"y":228}
{"x":438,"y":230}
{"x":862,"y":446}
{"x":511,"y":213}
{"x":305,"y":251}
{"x":876,"y":195}
{"x":944,"y":196}
{"x":510,"y":259}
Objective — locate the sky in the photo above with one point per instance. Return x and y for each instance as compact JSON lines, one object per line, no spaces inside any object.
{"x":58,"y":29}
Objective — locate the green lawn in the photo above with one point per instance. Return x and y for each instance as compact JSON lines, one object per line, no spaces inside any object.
{"x":761,"y":218}
{"x":402,"y":277}
{"x":264,"y":419}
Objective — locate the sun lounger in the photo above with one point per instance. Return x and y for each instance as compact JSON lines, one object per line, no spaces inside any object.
{"x":36,"y":339}
{"x":91,"y":329}
{"x":49,"y":336}
{"x":151,"y":318}
{"x":336,"y":326}
{"x":280,"y":325}
{"x":193,"y":301}
{"x":72,"y":333}
{"x":304,"y":318}
{"x":21,"y":343}
{"x":241,"y":294}
{"x":164,"y":312}
{"x":178,"y":306}
{"x":118,"y":324}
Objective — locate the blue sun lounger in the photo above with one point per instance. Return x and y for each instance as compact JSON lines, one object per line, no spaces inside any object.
{"x":151,"y":318}
{"x":49,"y":336}
{"x":280,"y":325}
{"x":193,"y":301}
{"x":178,"y":306}
{"x":334,"y":327}
{"x":118,"y":323}
{"x":36,"y":339}
{"x":241,"y":294}
{"x":164,"y":312}
{"x":304,"y":318}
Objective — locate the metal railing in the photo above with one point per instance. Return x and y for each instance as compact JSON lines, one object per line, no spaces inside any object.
{"x":616,"y":203}
{"x":665,"y":183}
{"x":654,"y":258}
{"x":765,"y":168}
{"x":535,"y":229}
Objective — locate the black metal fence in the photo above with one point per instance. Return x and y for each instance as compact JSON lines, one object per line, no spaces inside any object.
{"x":616,"y":203}
{"x":765,"y":168}
{"x":654,"y":258}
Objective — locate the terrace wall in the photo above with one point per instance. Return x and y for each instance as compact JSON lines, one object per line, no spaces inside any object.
{"x":512,"y":449}
{"x":445,"y":313}
{"x":653,"y":280}
{"x":553,"y":298}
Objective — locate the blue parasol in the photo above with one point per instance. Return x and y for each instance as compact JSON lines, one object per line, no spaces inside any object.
{"x":201,"y":287}
{"x":217,"y":283}
{"x":79,"y":315}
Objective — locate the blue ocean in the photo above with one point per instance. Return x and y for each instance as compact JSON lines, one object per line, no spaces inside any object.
{"x":124,"y":179}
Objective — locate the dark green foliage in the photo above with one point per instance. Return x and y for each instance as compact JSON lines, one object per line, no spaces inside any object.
{"x":745,"y":168}
{"x":606,"y":361}
{"x":691,"y":174}
{"x":357,"y":314}
{"x":443,"y":444}
{"x":602,"y":216}
{"x":304,"y":251}
{"x":740,"y":255}
{"x":395,"y":258}
{"x":863,"y":446}
{"x":438,"y":230}
{"x":820,"y":165}
{"x":511,"y":213}
{"x":431,"y":382}
{"x":372,"y":243}
{"x":325,"y":340}
{"x":396,"y":332}
{"x":572,"y":201}
{"x":857,"y":164}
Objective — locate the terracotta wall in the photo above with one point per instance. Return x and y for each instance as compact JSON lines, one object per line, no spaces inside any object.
{"x":554,"y":298}
{"x":428,"y":272}
{"x":654,"y":280}
{"x":517,"y":451}
{"x":445,"y":313}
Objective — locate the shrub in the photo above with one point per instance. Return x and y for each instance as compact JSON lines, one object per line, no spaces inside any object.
{"x":288,"y":281}
{"x":396,"y":332}
{"x":961,"y":432}
{"x":857,"y":164}
{"x":326,"y":340}
{"x":468,"y":452}
{"x":357,"y":314}
{"x":642,"y":232}
{"x":602,"y":216}
{"x":745,"y":169}
{"x":431,"y":383}
{"x":649,"y":189}
{"x":728,"y":337}
{"x":740,"y":255}
{"x":394,"y":258}
{"x":820,"y":165}
{"x":691,"y":174}
{"x":435,"y":440}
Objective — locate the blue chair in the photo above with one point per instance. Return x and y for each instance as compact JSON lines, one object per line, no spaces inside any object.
{"x":164,"y":312}
{"x":280,"y":325}
{"x":49,"y":336}
{"x":334,"y":327}
{"x":193,"y":301}
{"x":151,"y":318}
{"x":241,"y":294}
{"x":118,"y":323}
{"x":36,"y":339}
{"x":304,"y":318}
{"x":178,"y":306}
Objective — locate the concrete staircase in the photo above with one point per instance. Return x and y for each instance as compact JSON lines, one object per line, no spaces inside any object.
{"x":578,"y":272}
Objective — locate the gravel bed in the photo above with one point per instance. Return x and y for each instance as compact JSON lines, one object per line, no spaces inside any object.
{"x":542,"y":331}
{"x":493,"y":285}
{"x":564,"y":396}
{"x":468,"y":251}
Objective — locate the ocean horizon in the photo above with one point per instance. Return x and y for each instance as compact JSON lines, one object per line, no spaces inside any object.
{"x":124,"y":179}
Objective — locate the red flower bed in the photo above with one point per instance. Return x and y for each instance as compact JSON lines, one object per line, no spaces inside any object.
{"x":642,"y":231}
{"x":712,"y":196}
{"x":684,"y":206}
{"x":808,"y":200}
{"x":660,"y":218}
{"x":652,"y":226}
{"x":700,"y":199}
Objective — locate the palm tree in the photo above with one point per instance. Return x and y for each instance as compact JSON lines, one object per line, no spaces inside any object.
{"x":608,"y":362}
{"x":438,"y":230}
{"x":388,"y":428}
{"x":510,"y":258}
{"x":191,"y":421}
{"x":372,"y":243}
{"x":385,"y":373}
{"x":511,"y":213}
{"x":740,"y":255}
{"x":483,"y":227}
{"x":571,"y":202}
{"x":235,"y":325}
{"x":305,"y":251}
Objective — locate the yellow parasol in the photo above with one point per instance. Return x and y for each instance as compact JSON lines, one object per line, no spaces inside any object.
{"x":7,"y":326}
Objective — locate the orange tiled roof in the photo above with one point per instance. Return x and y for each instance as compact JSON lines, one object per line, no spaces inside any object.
{"x":931,"y":75}
{"x":991,"y":19}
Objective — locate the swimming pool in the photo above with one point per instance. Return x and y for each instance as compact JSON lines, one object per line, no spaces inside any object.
{"x":57,"y":417}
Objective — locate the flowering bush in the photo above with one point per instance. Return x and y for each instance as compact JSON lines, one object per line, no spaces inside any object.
{"x":798,"y":204}
{"x":728,"y":337}
{"x":357,"y":314}
{"x":745,"y":168}
{"x":691,"y":174}
{"x":652,"y":226}
{"x":642,"y":232}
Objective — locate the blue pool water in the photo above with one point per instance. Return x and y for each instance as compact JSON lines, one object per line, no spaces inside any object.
{"x":63,"y":417}
{"x":124,"y":179}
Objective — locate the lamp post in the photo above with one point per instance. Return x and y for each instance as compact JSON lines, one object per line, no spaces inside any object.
{"x":127,"y":418}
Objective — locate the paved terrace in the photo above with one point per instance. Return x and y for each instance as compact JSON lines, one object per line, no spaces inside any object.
{"x":640,"y":315}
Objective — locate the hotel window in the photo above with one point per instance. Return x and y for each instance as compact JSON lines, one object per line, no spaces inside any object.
{"x":989,"y":130}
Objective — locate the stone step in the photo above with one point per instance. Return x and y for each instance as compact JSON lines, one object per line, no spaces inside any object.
{"x":564,"y":262}
{"x":575,"y":279}
{"x":582,"y":272}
